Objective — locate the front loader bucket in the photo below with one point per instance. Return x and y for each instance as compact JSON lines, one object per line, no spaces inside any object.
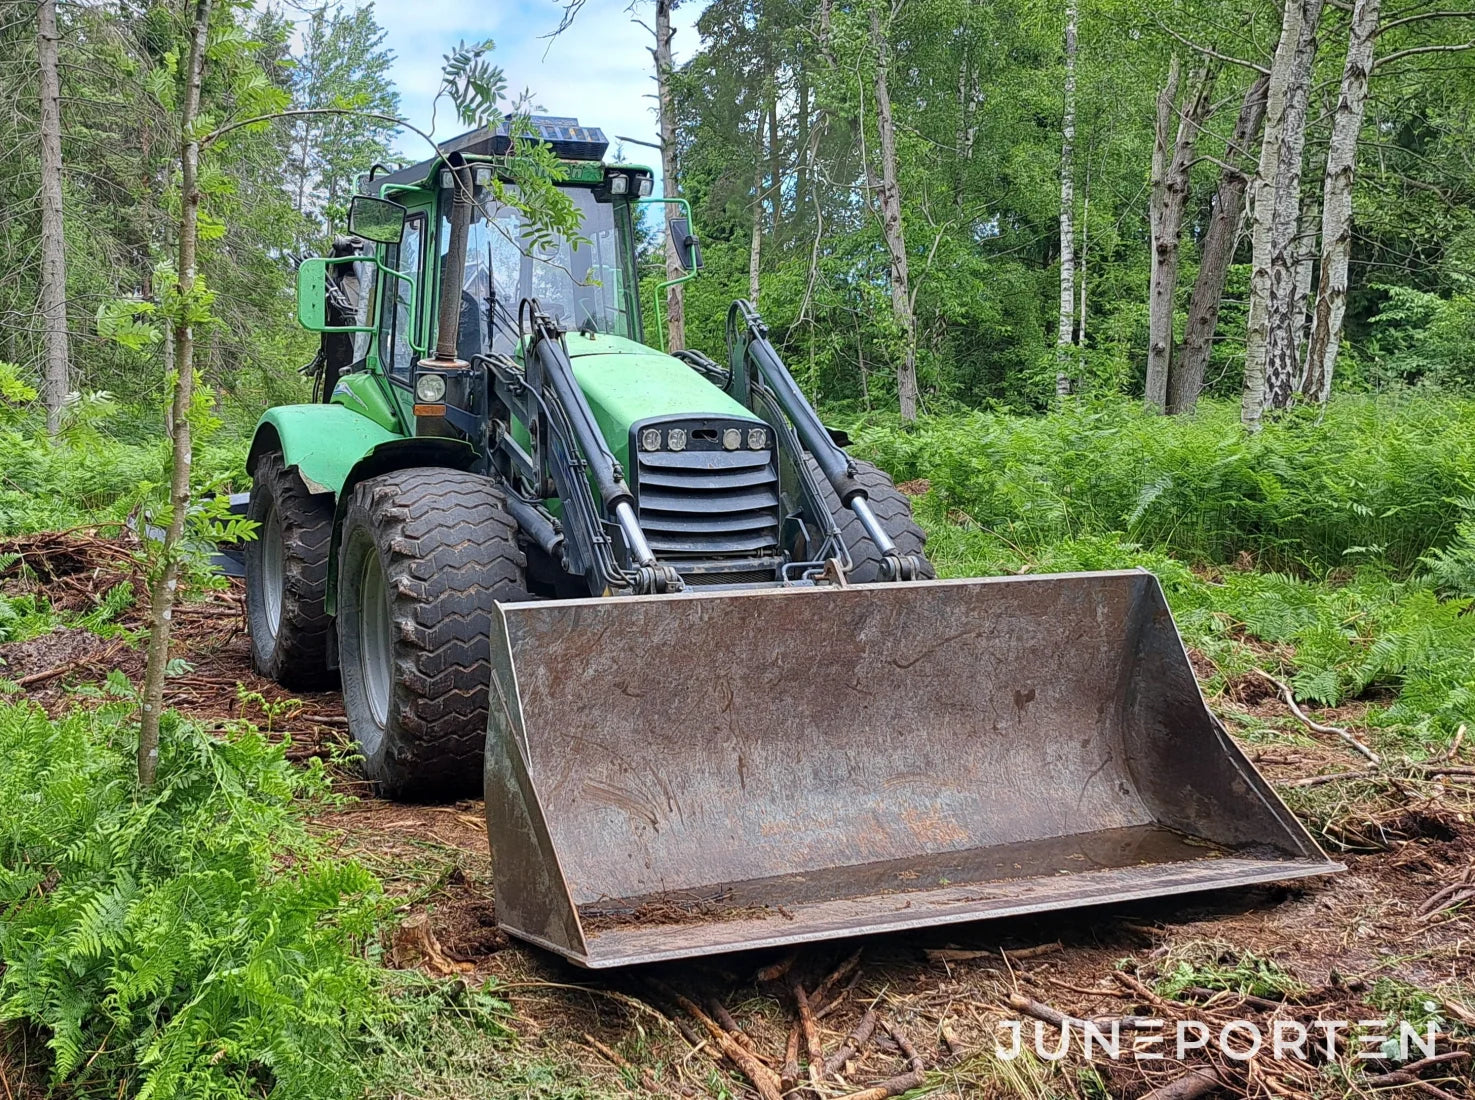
{"x":669,"y":776}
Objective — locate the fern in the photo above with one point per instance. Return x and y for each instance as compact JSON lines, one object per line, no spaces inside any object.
{"x":195,"y":941}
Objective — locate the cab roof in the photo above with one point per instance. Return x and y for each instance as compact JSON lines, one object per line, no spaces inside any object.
{"x":568,"y":139}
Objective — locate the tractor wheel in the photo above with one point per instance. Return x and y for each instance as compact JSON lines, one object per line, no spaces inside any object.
{"x":287,"y":577}
{"x":894,"y":511}
{"x":425,"y":553}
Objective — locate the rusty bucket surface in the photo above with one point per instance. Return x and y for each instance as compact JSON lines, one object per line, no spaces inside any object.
{"x":669,"y":776}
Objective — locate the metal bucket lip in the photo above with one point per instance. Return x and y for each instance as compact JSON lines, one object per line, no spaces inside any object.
{"x":615,"y":948}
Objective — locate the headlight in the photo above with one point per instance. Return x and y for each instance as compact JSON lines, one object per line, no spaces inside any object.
{"x":619,"y":183}
{"x":676,"y":439}
{"x":757,"y":439}
{"x":645,"y":186}
{"x":430,"y":388}
{"x":650,"y":439}
{"x":732,"y":439}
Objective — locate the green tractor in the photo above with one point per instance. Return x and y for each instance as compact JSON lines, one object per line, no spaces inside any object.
{"x":690,"y":650}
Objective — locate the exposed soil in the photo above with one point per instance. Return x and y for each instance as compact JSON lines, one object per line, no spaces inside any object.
{"x":1387,"y":937}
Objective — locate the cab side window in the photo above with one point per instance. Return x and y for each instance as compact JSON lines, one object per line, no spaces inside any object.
{"x":398,"y":323}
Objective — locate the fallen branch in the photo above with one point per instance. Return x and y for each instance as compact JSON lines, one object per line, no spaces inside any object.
{"x":52,"y":673}
{"x":775,"y":971}
{"x":724,"y":1017}
{"x":1405,"y":1075}
{"x":1454,"y":748}
{"x":1330,"y":777}
{"x":1203,"y":993}
{"x":835,"y":977}
{"x":1193,"y":1084}
{"x":644,"y":1076}
{"x":812,"y":1047}
{"x":788,"y":1076}
{"x":854,"y":1043}
{"x":915,"y":1076}
{"x":763,"y":1078}
{"x":1055,"y":1018}
{"x":1347,"y":738}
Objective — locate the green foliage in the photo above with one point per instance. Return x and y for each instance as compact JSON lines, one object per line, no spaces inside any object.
{"x":1377,"y":480}
{"x":192,"y":941}
{"x":1216,"y":965}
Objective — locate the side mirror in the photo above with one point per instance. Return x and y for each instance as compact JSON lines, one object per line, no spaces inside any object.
{"x":312,"y":294}
{"x":688,"y":248}
{"x":378,"y":220}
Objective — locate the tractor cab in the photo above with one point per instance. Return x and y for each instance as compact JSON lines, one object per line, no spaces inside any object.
{"x":385,"y":283}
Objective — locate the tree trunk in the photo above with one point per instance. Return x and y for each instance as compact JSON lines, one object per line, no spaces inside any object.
{"x":755,"y":241}
{"x":1282,"y":320}
{"x":670,"y":186}
{"x":1215,"y":254}
{"x":775,"y":169}
{"x":1164,"y":251}
{"x":166,"y":578}
{"x":1169,"y":204}
{"x":1305,"y":263}
{"x":1336,"y":215}
{"x":801,"y":148}
{"x":1262,"y":202}
{"x":1066,"y":325}
{"x":53,"y":279}
{"x":891,"y":227}
{"x":1081,"y":260}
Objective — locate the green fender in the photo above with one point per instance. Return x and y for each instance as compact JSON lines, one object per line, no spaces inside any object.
{"x":324,"y":442}
{"x":335,"y":448}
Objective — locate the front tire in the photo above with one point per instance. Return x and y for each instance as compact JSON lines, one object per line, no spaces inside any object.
{"x":287,"y":577}
{"x":425,"y":554}
{"x":894,"y":511}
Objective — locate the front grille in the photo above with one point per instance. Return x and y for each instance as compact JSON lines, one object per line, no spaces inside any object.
{"x":706,"y":504}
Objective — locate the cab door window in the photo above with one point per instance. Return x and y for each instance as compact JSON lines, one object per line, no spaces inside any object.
{"x":399,"y":321}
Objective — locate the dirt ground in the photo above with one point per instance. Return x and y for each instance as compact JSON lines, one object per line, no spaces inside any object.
{"x":1392,"y":936}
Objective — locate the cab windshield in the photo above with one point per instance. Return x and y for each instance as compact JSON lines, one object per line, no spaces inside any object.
{"x":587,"y":287}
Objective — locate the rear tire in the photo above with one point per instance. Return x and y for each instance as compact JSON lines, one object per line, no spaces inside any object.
{"x":287,"y":577}
{"x":894,"y":511}
{"x":425,"y":554}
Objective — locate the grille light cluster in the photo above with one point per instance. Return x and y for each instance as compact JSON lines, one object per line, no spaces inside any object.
{"x":674,"y":439}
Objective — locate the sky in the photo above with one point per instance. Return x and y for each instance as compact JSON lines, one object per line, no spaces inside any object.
{"x":599,"y":70}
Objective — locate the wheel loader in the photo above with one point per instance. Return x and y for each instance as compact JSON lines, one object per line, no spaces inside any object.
{"x":692,"y":652}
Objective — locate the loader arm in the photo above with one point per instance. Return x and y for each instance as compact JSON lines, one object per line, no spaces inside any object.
{"x":760,"y":379}
{"x":572,"y":458}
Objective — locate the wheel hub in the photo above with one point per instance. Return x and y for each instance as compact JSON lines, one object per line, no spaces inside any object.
{"x":376,"y":649}
{"x":273,"y":575}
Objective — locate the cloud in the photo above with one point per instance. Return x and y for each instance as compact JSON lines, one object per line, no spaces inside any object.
{"x":599,"y":70}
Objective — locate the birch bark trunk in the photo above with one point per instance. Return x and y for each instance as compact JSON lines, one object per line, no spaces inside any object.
{"x":1282,"y":321}
{"x":1336,"y":216}
{"x":1171,"y":174}
{"x":892,"y":228}
{"x":1262,"y":203}
{"x":670,"y":187}
{"x":1064,"y":330}
{"x":1216,"y":252}
{"x":53,"y":276}
{"x":166,"y":580}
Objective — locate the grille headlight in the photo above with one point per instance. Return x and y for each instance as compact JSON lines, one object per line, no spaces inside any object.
{"x":732,"y":439}
{"x":430,"y":388}
{"x":676,"y":439}
{"x":757,"y":439}
{"x":650,"y":439}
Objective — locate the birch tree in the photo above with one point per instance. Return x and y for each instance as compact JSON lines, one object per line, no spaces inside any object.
{"x":1170,"y":190}
{"x":1065,"y":328}
{"x":891,"y":224}
{"x":1330,"y":309}
{"x":670,"y":185}
{"x":53,"y":276}
{"x":1267,"y":185}
{"x":1216,"y":250}
{"x":1283,"y":321}
{"x":183,"y":307}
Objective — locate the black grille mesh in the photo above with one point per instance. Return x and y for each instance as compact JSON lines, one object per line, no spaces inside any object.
{"x":708,"y":504}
